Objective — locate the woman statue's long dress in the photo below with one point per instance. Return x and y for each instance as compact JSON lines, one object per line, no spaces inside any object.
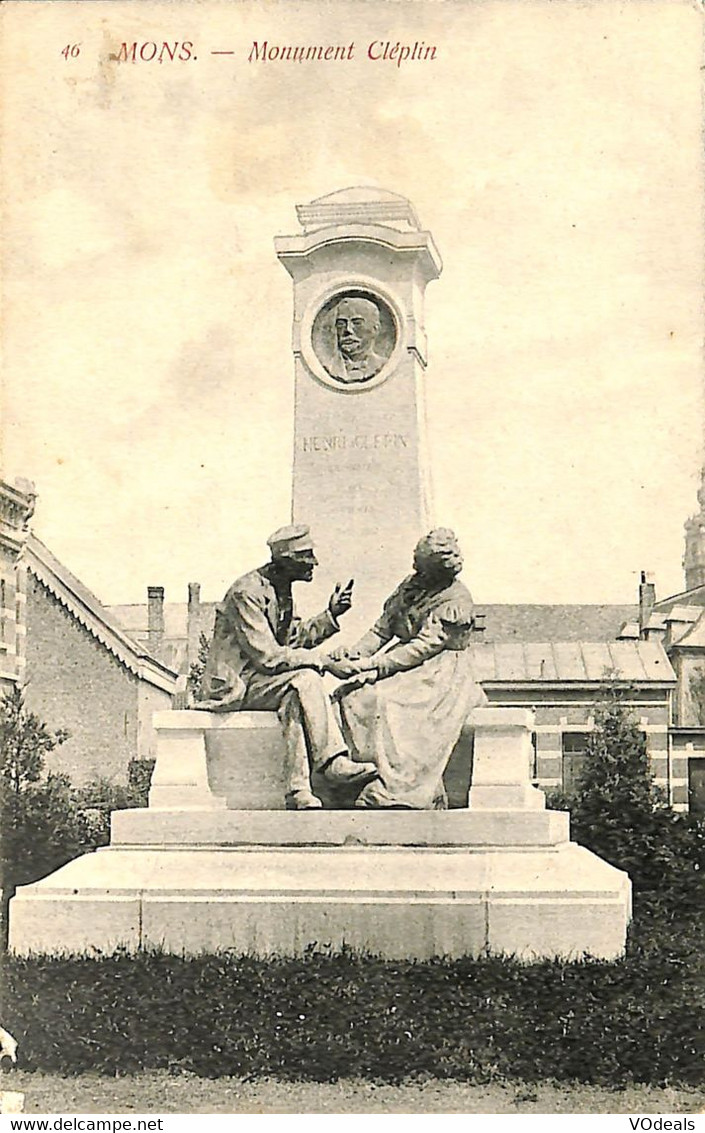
{"x":408,"y":719}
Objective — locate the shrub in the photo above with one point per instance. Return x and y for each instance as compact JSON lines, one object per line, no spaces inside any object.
{"x":198,"y":667}
{"x":618,"y":814}
{"x":42,"y":824}
{"x":45,"y":821}
{"x":139,"y":778}
{"x":100,"y":797}
{"x":42,"y":828}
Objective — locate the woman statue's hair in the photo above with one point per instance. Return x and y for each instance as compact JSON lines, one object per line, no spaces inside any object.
{"x":440,"y":544}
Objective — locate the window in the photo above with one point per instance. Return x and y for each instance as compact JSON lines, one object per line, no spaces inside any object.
{"x":574,"y":758}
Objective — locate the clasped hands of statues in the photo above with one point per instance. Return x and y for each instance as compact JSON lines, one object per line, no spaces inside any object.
{"x":345,"y":664}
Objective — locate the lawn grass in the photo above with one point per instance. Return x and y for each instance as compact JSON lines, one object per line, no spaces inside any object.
{"x":160,"y":1092}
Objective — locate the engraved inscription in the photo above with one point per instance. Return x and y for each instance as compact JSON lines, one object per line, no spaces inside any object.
{"x":340,"y":441}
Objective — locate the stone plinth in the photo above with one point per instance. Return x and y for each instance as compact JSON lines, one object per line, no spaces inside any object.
{"x":501,"y":773}
{"x":397,"y":902}
{"x":360,"y":461}
{"x":208,"y":760}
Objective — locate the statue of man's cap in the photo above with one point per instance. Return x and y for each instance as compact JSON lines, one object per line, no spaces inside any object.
{"x":296,"y":537}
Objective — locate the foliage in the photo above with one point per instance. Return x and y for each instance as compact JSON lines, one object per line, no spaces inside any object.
{"x":42,"y":829}
{"x":618,"y":814}
{"x":696,"y":687}
{"x":42,"y":824}
{"x":139,"y":778}
{"x":198,"y":667}
{"x":326,"y":1017}
{"x":24,"y":742}
{"x":100,"y":797}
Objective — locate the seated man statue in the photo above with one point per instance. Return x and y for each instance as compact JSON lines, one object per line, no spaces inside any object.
{"x":263,"y":657}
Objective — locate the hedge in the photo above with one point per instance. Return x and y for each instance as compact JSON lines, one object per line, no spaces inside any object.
{"x":326,"y":1017}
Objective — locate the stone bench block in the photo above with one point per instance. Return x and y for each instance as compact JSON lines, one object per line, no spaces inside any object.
{"x":212,"y":760}
{"x":502,"y":761}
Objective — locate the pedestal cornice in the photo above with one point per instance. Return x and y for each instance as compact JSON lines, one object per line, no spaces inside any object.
{"x":293,"y":250}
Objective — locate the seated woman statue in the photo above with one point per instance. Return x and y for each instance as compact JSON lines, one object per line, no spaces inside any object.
{"x":405,"y":709}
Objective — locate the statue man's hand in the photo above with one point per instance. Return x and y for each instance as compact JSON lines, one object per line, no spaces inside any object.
{"x":341,"y":599}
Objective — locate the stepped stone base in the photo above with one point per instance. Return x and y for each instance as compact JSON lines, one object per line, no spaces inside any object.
{"x":477,"y":829}
{"x":189,"y":875}
{"x":445,"y":887}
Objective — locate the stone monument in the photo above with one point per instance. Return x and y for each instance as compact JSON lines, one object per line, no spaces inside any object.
{"x":216,"y":861}
{"x":360,"y":471}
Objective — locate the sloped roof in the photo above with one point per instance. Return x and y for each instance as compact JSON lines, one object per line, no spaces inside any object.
{"x":629,"y":630}
{"x":88,"y":610}
{"x":525,"y":643}
{"x":528,"y":622}
{"x":574,"y":661}
{"x":694,"y":637}
{"x":135,"y":619}
{"x":680,"y":613}
{"x":695,"y":597}
{"x":173,"y":646}
{"x":505,"y":622}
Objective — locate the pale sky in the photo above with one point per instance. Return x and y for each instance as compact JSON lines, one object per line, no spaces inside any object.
{"x":553,"y":150}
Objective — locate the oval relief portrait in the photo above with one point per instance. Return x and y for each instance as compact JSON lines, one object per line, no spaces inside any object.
{"x":353,"y":336}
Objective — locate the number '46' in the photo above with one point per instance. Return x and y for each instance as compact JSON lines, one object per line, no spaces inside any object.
{"x":71,"y":51}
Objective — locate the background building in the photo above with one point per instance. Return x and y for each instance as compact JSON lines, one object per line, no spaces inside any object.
{"x":80,"y":670}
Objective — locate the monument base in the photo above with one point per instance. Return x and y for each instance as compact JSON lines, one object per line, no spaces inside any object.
{"x":190,"y":875}
{"x":401,"y":885}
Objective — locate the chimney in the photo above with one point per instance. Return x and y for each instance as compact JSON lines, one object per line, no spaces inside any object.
{"x":155,"y":616}
{"x":647,"y":600}
{"x":193,"y":623}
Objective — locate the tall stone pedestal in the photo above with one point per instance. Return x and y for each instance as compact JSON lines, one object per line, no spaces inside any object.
{"x":401,"y":884}
{"x":361,"y":475}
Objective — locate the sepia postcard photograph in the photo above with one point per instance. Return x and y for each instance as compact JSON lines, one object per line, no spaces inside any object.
{"x":352,"y":574}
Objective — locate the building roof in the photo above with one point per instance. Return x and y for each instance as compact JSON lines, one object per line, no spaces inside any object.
{"x":134,"y":618}
{"x":522,"y":622}
{"x":525,"y":643}
{"x":694,"y":597}
{"x":172,"y":647}
{"x":88,"y":610}
{"x":581,"y":662}
{"x":694,"y":636}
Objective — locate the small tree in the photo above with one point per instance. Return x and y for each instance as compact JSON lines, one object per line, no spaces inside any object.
{"x":198,"y":667}
{"x":42,"y":825}
{"x":24,"y":742}
{"x":618,"y":813}
{"x":616,"y":790}
{"x":697,"y":695}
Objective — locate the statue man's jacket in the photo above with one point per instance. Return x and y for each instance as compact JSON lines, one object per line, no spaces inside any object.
{"x":256,"y":633}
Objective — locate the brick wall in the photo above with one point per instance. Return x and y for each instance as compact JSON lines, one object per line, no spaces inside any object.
{"x":73,"y":682}
{"x":151,"y":700}
{"x":8,"y":622}
{"x":572,"y":711}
